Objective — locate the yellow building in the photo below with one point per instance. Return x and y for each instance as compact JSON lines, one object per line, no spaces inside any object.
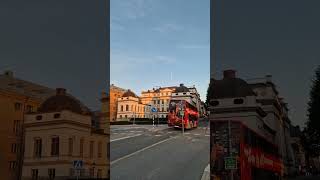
{"x":60,"y":132}
{"x":16,"y":98}
{"x":130,"y":106}
{"x":159,"y":98}
{"x":115,"y":93}
{"x":105,"y":122}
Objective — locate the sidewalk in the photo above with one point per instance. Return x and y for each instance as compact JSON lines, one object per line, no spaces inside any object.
{"x":206,"y":173}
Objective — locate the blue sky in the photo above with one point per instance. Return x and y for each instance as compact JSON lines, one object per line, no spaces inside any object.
{"x":160,"y":43}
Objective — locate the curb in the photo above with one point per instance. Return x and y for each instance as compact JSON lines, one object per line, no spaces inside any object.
{"x":206,"y":173}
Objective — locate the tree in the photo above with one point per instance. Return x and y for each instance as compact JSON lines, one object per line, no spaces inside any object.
{"x":313,"y":123}
{"x":208,"y":92}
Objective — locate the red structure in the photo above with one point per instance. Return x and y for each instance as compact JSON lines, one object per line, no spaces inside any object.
{"x":190,"y":116}
{"x":256,"y":157}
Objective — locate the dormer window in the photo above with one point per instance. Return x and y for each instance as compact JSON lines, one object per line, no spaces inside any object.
{"x":56,"y":116}
{"x":238,"y":101}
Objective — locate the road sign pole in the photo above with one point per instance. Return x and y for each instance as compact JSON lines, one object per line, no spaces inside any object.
{"x":153,"y":120}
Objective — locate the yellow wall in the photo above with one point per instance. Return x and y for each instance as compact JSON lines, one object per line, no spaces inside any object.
{"x":7,"y":136}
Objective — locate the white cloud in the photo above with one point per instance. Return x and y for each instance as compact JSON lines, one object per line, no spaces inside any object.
{"x":134,"y":9}
{"x":167,"y":28}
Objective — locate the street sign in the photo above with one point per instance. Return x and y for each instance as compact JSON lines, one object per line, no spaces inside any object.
{"x":153,"y":109}
{"x":230,"y":163}
{"x":77,"y":164}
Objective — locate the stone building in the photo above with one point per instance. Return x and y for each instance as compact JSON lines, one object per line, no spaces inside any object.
{"x":58,"y":133}
{"x":17,"y":97}
{"x":115,"y":93}
{"x":130,"y":106}
{"x":256,"y":104}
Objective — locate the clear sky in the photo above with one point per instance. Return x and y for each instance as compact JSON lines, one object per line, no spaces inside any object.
{"x":274,"y":37}
{"x":160,"y":43}
{"x":57,"y":44}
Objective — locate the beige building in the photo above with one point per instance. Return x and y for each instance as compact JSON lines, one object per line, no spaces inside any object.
{"x":60,"y":132}
{"x":17,"y":97}
{"x":130,"y":106}
{"x":115,"y":93}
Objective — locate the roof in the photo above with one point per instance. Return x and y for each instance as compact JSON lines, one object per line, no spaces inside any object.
{"x":14,"y":85}
{"x":181,"y":88}
{"x":129,"y":93}
{"x":63,"y":101}
{"x":229,"y":88}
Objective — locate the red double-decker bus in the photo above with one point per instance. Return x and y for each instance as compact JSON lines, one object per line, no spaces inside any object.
{"x":255,"y":157}
{"x":190,"y":116}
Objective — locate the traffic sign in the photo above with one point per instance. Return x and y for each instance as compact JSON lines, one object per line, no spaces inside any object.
{"x":153,"y":109}
{"x":77,"y":164}
{"x":230,"y":163}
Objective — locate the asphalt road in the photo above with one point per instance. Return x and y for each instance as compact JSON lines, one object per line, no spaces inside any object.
{"x":307,"y":178}
{"x":146,"y":153}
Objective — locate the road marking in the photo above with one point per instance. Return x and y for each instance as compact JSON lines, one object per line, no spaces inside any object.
{"x":143,"y":149}
{"x":186,"y":133}
{"x":158,"y":135}
{"x":125,"y":137}
{"x":197,"y":134}
{"x":207,"y":135}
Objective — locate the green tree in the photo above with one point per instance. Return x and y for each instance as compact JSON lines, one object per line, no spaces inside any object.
{"x":313,"y":123}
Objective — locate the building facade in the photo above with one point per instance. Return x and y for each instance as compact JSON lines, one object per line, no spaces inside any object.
{"x":257,"y":105}
{"x":59,"y":133}
{"x":130,"y":106}
{"x":17,"y":97}
{"x":115,"y":93}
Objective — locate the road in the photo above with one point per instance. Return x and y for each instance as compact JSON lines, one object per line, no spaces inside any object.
{"x":307,"y":178}
{"x":146,"y":153}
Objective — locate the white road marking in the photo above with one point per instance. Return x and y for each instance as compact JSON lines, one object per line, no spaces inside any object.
{"x":158,"y":135}
{"x":197,"y":134}
{"x":148,"y":147}
{"x":125,"y":137}
{"x":207,"y":135}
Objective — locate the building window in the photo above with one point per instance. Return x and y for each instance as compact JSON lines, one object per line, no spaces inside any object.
{"x":70,"y":146}
{"x":99,"y":174}
{"x":39,"y":117}
{"x":16,"y":126}
{"x":29,"y":109}
{"x":37,"y":147}
{"x":125,"y":116}
{"x":127,"y":107}
{"x":12,"y":165}
{"x":13,"y":148}
{"x":55,"y":146}
{"x":81,"y":147}
{"x":56,"y":116}
{"x":214,"y":103}
{"x":121,"y":108}
{"x":99,"y":150}
{"x":162,"y":101}
{"x":17,"y":106}
{"x":154,"y":102}
{"x":34,"y":174}
{"x":91,"y":149}
{"x":52,"y":173}
{"x":162,"y":109}
{"x":120,"y":116}
{"x":158,"y":101}
{"x":238,"y":101}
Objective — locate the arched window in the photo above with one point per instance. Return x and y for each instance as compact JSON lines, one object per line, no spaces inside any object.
{"x":127,"y":107}
{"x":238,"y":101}
{"x":121,"y":109}
{"x":37,"y":147}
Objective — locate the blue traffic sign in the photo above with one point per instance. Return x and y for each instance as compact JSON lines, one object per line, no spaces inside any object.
{"x":153,"y":109}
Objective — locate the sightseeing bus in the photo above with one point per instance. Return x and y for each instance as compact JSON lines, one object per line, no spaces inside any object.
{"x":190,"y":116}
{"x":248,"y":156}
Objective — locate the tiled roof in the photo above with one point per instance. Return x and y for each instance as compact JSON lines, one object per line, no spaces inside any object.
{"x":11,"y":84}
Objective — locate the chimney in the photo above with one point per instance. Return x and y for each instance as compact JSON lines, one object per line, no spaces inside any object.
{"x":228,"y":74}
{"x":269,"y":78}
{"x":61,"y":91}
{"x":8,"y":73}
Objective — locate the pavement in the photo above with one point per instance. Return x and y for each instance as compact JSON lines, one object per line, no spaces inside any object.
{"x":141,"y":152}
